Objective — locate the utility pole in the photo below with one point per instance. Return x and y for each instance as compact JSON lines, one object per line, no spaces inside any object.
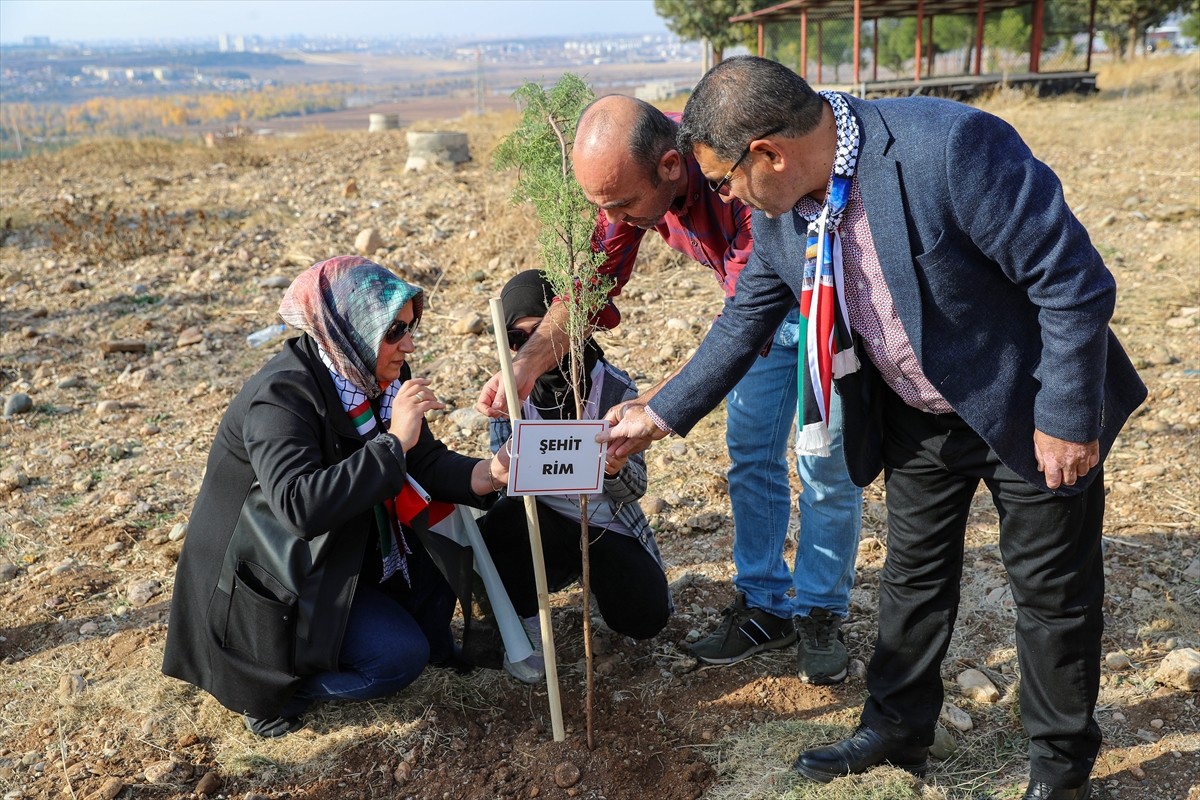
{"x":480,"y":85}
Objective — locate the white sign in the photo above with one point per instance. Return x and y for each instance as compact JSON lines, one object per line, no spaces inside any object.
{"x":552,"y":456}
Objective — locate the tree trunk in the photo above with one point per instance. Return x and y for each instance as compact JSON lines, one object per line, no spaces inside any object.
{"x":718,"y":54}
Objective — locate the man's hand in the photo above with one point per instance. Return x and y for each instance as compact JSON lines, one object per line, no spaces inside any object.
{"x":632,"y":432}
{"x":493,"y":400}
{"x":1064,"y":462}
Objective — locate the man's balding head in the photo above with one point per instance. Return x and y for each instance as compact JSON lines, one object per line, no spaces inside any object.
{"x":616,"y":127}
{"x":625,"y":160}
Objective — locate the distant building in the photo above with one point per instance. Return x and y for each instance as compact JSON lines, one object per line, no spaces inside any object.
{"x":36,"y":41}
{"x":655,"y":90}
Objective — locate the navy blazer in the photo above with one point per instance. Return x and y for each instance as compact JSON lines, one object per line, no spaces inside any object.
{"x":998,"y":287}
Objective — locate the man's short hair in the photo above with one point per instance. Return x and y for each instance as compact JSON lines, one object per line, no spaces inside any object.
{"x":650,"y":137}
{"x":742,"y":98}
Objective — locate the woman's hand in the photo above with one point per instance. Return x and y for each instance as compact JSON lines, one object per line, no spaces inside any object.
{"x":491,"y":475}
{"x":409,"y":407}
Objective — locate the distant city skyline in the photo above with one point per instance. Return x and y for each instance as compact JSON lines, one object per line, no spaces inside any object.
{"x":111,"y":20}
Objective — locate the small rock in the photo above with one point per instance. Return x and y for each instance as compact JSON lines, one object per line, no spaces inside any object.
{"x":275,"y":282}
{"x":12,"y":477}
{"x":209,"y":783}
{"x":18,"y":403}
{"x":472,"y":323}
{"x":677,"y":325}
{"x":368,"y":241}
{"x":88,"y":628}
{"x":654,"y":505}
{"x":856,"y":669}
{"x":1118,"y":717}
{"x":1192,"y":571}
{"x":956,"y":718}
{"x":168,"y":772}
{"x":1181,"y":669}
{"x":177,"y":532}
{"x":70,"y":686}
{"x":566,"y":775}
{"x":403,"y":772}
{"x":350,"y":190}
{"x":1117,"y":661}
{"x":111,"y":788}
{"x":1157,"y":724}
{"x":70,"y":382}
{"x":1137,"y":772}
{"x":468,"y":419}
{"x":8,"y":571}
{"x":189,"y":336}
{"x":108,"y":406}
{"x":943,"y":744}
{"x":975,"y":685}
{"x":141,"y":592}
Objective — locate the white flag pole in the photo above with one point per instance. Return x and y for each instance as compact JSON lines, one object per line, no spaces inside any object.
{"x":535,"y":532}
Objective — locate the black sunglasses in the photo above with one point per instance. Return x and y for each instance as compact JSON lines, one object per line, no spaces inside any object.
{"x":398,"y":330}
{"x":721,"y":187}
{"x":517,"y":339}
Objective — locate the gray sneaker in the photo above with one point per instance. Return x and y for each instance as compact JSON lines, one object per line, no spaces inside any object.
{"x":744,"y":632}
{"x":821,"y":655}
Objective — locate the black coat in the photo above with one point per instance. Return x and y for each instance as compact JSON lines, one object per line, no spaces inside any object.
{"x":278,"y":534}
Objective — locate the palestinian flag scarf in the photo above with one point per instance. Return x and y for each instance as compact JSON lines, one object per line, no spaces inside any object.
{"x":393,"y":547}
{"x":826,"y":350}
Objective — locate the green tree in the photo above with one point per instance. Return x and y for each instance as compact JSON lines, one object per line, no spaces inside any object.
{"x":540,"y":148}
{"x":896,"y":38}
{"x":709,"y":19}
{"x":1128,"y":20}
{"x":1191,"y":26}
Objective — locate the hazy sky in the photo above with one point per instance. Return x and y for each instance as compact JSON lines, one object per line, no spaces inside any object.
{"x":90,"y":20}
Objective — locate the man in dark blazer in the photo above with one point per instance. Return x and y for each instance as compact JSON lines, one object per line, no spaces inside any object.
{"x":979,"y":311}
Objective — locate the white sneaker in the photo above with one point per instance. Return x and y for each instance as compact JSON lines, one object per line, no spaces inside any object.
{"x":533,"y":668}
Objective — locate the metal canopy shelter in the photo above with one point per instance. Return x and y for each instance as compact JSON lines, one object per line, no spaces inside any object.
{"x":820,"y":10}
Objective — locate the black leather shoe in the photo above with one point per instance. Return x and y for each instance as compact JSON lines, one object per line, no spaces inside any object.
{"x":863,"y":750}
{"x":1044,"y":791}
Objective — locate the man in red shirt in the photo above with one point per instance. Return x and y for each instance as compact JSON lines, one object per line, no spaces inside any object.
{"x":625,"y":160}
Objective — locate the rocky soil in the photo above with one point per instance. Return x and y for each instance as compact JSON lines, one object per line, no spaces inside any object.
{"x":130,"y":275}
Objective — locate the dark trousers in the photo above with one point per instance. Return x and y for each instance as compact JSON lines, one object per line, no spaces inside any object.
{"x":1050,"y":545}
{"x":393,"y":631}
{"x":627,"y":582}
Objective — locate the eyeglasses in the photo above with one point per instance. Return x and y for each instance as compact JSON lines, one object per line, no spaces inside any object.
{"x":517,"y":339}
{"x":721,"y":187}
{"x":398,"y":330}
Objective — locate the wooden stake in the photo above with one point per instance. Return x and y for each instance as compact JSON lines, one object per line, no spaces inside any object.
{"x":535,"y":531}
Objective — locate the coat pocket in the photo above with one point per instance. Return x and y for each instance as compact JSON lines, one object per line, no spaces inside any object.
{"x":262,"y":618}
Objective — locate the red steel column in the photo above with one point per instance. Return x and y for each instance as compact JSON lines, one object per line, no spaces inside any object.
{"x":1035,"y":40}
{"x":857,"y":37}
{"x":804,"y":44}
{"x":760,"y":40}
{"x":979,"y":36}
{"x":875,"y":48}
{"x":920,"y":25}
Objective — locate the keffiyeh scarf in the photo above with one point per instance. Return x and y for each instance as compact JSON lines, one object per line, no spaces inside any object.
{"x":826,"y":349}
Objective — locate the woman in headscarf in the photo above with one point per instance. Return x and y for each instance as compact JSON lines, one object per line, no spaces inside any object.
{"x":304,"y":576}
{"x":627,"y":577}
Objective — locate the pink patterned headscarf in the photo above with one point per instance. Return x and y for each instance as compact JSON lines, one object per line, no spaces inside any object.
{"x":346,"y":304}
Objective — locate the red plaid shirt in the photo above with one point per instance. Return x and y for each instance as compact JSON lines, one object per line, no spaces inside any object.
{"x":700,"y":225}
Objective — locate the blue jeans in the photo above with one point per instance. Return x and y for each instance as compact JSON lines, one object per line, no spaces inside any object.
{"x":761,"y":410}
{"x":383,"y":650}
